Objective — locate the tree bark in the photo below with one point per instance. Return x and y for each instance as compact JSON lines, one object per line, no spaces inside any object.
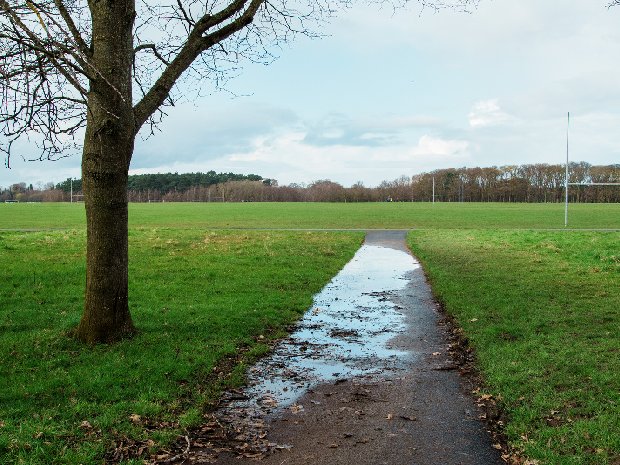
{"x":108,"y":147}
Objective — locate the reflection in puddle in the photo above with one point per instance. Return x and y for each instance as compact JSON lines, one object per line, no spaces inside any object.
{"x":345,"y":333}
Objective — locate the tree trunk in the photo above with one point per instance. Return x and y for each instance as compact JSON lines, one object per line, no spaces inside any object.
{"x":108,"y":147}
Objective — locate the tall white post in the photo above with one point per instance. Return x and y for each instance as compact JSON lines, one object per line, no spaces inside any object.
{"x":433,"y":189}
{"x":566,"y":175}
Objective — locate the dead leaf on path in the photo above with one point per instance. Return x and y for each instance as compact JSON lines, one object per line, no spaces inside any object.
{"x":207,"y":458}
{"x":268,"y":401}
{"x":390,"y":416}
{"x":296,"y":408}
{"x":404,"y":417}
{"x":334,"y":446}
{"x":497,"y":446}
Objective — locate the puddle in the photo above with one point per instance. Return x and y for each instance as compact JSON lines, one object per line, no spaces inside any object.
{"x":345,"y":334}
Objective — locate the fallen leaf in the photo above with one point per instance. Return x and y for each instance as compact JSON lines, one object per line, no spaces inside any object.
{"x":269,"y":402}
{"x":135,"y":418}
{"x":390,"y":416}
{"x":497,"y":446}
{"x":333,"y":446}
{"x":435,"y":354}
{"x":473,"y":320}
{"x":86,"y":425}
{"x":296,"y":408}
{"x":404,"y":417}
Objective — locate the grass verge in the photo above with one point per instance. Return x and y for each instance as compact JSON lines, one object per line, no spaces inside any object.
{"x":197,"y":298}
{"x":541,"y":311}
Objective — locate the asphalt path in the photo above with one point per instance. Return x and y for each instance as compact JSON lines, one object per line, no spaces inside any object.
{"x":366,"y":378}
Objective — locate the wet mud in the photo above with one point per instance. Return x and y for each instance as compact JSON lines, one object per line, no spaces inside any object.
{"x":365,"y":378}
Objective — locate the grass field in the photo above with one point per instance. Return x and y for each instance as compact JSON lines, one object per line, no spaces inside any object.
{"x":323,"y":215}
{"x":540,"y":307}
{"x":542,"y":310}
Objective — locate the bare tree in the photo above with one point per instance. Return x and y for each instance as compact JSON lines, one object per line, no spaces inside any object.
{"x":102,"y":70}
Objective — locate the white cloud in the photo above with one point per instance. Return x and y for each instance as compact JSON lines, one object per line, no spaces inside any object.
{"x":436,"y":147}
{"x":487,"y":113}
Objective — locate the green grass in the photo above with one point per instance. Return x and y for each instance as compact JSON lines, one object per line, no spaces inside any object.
{"x":197,"y":297}
{"x":323,"y":215}
{"x":542,"y":310}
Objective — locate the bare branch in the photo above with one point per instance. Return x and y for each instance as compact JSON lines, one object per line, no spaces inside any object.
{"x":153,"y":48}
{"x":75,"y":33}
{"x":42,"y":81}
{"x":195,"y":45}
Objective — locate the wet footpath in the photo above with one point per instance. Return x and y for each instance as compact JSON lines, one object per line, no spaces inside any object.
{"x":365,"y":378}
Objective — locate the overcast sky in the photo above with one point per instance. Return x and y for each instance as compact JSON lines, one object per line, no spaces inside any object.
{"x":391,"y":94}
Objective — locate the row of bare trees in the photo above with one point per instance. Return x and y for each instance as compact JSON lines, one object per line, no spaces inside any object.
{"x":518,"y":183}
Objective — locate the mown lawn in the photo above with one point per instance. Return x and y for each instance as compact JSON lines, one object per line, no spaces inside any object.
{"x":197,"y":297}
{"x":324,"y":215}
{"x":542,"y":310}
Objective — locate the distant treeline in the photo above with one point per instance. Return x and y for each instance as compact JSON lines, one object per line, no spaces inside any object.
{"x":519,"y":183}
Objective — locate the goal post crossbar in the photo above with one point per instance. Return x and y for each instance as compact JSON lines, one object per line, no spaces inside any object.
{"x":594,"y":183}
{"x":585,"y":184}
